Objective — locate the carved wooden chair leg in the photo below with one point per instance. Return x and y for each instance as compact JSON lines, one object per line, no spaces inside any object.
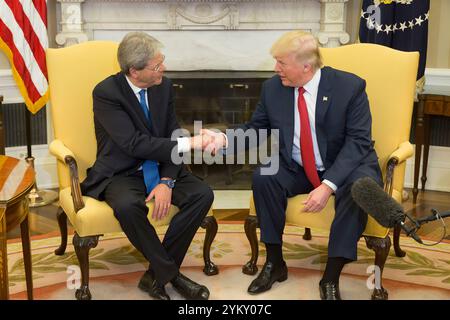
{"x":210,"y":224}
{"x":307,"y":235}
{"x":62,"y":222}
{"x":381,"y":248}
{"x":251,"y":223}
{"x":398,"y":251}
{"x":82,"y":246}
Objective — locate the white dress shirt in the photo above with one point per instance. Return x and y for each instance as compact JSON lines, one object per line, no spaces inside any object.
{"x":136,"y":91}
{"x":310,"y":95}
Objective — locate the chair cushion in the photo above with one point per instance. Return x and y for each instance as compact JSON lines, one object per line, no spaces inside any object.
{"x":323,"y":219}
{"x":97,"y":216}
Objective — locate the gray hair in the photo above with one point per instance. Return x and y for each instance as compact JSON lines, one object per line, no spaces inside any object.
{"x":135,"y":49}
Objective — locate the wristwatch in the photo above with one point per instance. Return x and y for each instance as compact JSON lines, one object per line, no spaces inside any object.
{"x":170,"y":183}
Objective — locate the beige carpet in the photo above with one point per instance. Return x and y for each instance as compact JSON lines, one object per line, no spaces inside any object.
{"x":116,"y":268}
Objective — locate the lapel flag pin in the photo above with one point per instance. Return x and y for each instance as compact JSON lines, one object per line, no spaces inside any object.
{"x":325,"y":98}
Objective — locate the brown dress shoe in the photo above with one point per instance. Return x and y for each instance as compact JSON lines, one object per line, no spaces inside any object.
{"x":329,"y":291}
{"x":150,"y":285}
{"x":268,"y":275}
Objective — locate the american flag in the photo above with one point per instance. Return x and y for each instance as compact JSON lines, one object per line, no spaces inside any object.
{"x":23,"y":38}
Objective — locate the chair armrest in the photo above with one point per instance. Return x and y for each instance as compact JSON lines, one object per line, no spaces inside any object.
{"x":66,"y":156}
{"x":59,"y":150}
{"x":404,"y":151}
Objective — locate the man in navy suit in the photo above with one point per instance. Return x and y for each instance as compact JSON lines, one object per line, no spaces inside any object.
{"x":134,"y":120}
{"x":324,"y":124}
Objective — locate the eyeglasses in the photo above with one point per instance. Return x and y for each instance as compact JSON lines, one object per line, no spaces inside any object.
{"x":157,"y":67}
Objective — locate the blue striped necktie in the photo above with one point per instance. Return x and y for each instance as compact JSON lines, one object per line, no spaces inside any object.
{"x":149,"y":167}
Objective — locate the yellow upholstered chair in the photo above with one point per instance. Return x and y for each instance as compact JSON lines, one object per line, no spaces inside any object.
{"x":390,"y":77}
{"x":73,"y":73}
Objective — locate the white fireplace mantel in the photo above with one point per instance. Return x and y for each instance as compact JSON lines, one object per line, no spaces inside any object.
{"x":216,"y":34}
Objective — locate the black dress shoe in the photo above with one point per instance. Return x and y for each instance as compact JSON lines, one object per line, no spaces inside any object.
{"x":268,"y":275}
{"x":189,"y":289}
{"x":150,"y":285}
{"x":329,"y":291}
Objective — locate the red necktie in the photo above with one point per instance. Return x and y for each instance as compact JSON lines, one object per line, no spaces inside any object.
{"x":306,"y":144}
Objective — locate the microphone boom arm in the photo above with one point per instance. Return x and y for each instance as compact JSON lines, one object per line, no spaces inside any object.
{"x":433,"y":217}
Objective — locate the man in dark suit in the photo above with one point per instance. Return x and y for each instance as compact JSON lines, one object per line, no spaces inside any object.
{"x":324,"y":124}
{"x":134,"y":119}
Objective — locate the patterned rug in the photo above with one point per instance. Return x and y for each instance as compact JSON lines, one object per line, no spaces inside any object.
{"x":115,"y":269}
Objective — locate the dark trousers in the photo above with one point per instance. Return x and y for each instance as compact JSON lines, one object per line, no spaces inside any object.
{"x":270,"y":193}
{"x":126,"y":196}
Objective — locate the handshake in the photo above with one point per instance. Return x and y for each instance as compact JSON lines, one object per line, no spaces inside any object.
{"x":209,"y":141}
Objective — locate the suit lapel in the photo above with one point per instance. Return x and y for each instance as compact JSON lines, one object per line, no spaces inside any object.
{"x":287,"y":103}
{"x":154,"y":102}
{"x":134,"y":104}
{"x":324,"y":98}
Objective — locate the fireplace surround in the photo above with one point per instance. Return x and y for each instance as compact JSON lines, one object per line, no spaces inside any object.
{"x":221,"y":100}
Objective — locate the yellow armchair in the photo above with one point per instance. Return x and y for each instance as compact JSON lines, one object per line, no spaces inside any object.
{"x":73,"y":73}
{"x":390,"y":76}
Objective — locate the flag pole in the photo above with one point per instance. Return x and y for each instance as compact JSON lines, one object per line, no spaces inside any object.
{"x":2,"y":133}
{"x":36,"y":197}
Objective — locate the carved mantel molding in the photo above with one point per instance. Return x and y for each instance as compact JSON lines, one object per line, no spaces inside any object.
{"x":332,"y":23}
{"x":206,"y":15}
{"x":212,"y":35}
{"x":72,"y":31}
{"x":203,"y":14}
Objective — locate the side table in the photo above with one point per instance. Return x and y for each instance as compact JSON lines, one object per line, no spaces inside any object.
{"x":429,"y":105}
{"x":16,"y":181}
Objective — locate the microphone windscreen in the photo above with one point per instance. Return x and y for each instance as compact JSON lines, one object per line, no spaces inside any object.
{"x":376,"y":202}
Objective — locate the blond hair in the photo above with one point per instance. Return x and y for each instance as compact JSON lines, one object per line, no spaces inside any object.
{"x":303,"y":44}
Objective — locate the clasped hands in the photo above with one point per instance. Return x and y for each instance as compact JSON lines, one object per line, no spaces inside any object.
{"x":209,"y":141}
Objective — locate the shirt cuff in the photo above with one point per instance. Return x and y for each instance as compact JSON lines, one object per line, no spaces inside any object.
{"x":184,"y":144}
{"x":226,"y":140}
{"x":223,"y":151}
{"x":330,"y":184}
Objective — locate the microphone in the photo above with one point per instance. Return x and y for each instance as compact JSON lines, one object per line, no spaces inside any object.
{"x":380,"y":206}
